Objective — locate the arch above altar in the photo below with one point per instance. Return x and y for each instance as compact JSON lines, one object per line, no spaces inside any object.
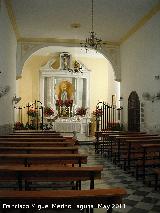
{"x":65,"y":83}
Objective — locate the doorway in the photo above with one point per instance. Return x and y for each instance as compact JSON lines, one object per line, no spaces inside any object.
{"x":133,"y":112}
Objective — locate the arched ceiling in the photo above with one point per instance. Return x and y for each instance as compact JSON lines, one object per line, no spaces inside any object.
{"x":114,"y":20}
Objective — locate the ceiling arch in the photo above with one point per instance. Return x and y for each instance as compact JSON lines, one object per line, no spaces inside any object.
{"x":25,"y":50}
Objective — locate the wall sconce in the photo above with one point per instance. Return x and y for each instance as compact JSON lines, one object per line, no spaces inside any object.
{"x":16,"y":99}
{"x":4,"y":91}
{"x":147,"y":97}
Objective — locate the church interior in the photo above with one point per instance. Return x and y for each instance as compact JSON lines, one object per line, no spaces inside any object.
{"x":80,"y":106}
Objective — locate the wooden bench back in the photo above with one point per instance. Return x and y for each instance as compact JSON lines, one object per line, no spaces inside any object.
{"x":39,"y":150}
{"x":137,"y":142}
{"x":33,"y":159}
{"x":35,"y":144}
{"x":32,"y":136}
{"x":32,"y":139}
{"x":49,"y":173}
{"x":96,"y":198}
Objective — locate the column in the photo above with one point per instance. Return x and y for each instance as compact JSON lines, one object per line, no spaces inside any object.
{"x":84,"y":93}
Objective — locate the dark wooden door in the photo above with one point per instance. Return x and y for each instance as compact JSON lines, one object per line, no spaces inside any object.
{"x":133,"y":112}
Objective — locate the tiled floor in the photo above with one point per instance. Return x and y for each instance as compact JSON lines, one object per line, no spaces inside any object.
{"x":140,"y":198}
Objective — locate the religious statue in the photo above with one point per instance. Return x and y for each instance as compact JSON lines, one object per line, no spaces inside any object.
{"x":64,"y":91}
{"x":65,"y":61}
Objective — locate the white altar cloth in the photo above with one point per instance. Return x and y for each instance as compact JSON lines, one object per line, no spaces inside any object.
{"x":68,"y":126}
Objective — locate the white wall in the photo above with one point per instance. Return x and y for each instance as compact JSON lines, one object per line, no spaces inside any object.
{"x":113,"y":86}
{"x":140,"y":62}
{"x":7,"y":66}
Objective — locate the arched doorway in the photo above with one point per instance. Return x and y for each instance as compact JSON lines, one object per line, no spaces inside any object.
{"x":133,"y":112}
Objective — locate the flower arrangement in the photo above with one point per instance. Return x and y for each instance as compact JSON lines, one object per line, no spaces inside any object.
{"x":97,"y":112}
{"x":81,"y":111}
{"x":66,"y":103}
{"x":18,"y":126}
{"x":48,"y":111}
{"x":59,"y":102}
{"x":32,"y":113}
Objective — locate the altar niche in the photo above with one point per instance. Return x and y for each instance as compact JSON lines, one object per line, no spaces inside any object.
{"x":64,"y":102}
{"x":62,"y":85}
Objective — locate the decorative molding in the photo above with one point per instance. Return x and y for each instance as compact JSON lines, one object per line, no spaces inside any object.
{"x":66,"y":41}
{"x":141,"y":23}
{"x":16,"y":99}
{"x":4,"y":91}
{"x":12,"y":18}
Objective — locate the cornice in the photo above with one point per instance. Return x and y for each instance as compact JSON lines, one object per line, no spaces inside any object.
{"x":12,"y":18}
{"x":141,"y":23}
{"x":49,"y":40}
{"x":56,"y":40}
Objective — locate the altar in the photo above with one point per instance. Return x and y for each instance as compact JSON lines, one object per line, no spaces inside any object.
{"x":65,"y":87}
{"x":68,"y":126}
{"x":66,"y":90}
{"x":72,"y":125}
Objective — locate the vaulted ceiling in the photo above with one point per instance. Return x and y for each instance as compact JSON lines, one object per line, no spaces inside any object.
{"x":114,"y":20}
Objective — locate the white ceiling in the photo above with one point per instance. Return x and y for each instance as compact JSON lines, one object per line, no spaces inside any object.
{"x":52,"y":18}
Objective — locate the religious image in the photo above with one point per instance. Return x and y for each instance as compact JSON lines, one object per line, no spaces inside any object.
{"x":64,"y":91}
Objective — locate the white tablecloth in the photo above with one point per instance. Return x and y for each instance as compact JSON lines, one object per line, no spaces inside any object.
{"x":61,"y":126}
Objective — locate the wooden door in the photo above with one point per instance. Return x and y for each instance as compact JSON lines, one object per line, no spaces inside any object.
{"x":133,"y":112}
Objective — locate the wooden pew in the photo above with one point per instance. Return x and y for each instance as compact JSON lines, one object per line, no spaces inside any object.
{"x":113,"y":141}
{"x":34,"y":135}
{"x":47,"y":173}
{"x":123,"y":145}
{"x":34,"y":131}
{"x":81,"y":199}
{"x":35,"y":144}
{"x":39,"y":150}
{"x":30,"y":159}
{"x":150,"y":159}
{"x":101,"y":135}
{"x":134,"y":147}
{"x":32,"y":139}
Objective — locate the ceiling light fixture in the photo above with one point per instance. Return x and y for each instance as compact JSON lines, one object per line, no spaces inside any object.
{"x":92,"y":41}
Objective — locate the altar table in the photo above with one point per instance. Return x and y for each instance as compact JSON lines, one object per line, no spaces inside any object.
{"x":68,"y":126}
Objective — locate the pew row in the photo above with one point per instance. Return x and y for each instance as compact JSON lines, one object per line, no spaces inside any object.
{"x":75,"y":199}
{"x":24,"y":175}
{"x":34,"y":131}
{"x":103,"y":137}
{"x":39,"y":150}
{"x":32,"y":159}
{"x":35,"y":144}
{"x":32,"y":136}
{"x":150,"y":159}
{"x":36,"y":139}
{"x":114,"y":141}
